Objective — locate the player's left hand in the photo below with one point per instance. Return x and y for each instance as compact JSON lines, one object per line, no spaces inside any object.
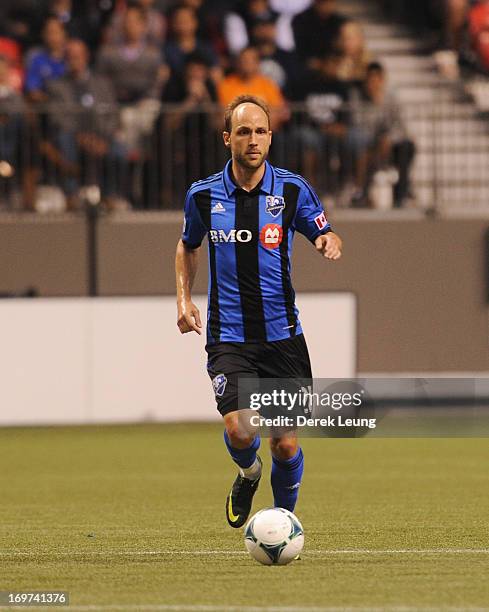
{"x":329,"y":245}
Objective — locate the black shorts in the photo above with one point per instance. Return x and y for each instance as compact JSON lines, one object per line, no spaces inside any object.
{"x":229,"y":361}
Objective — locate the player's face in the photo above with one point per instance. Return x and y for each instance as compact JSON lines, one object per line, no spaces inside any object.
{"x":250,"y":136}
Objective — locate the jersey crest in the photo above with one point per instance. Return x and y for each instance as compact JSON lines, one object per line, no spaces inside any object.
{"x":274,"y":205}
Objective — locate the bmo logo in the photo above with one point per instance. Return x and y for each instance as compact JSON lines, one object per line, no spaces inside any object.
{"x":231,"y":236}
{"x":271,"y":235}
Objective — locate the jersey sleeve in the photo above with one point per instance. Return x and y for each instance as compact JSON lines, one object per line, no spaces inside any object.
{"x":310,"y":218}
{"x":194,"y":230}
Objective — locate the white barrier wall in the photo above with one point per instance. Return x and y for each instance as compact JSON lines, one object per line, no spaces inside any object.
{"x":123,"y":360}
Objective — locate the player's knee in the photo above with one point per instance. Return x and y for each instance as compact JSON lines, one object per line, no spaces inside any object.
{"x":284,"y":448}
{"x":239,"y":437}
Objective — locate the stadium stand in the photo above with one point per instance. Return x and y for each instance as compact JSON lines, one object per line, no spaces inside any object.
{"x":158,"y":53}
{"x":430,"y":54}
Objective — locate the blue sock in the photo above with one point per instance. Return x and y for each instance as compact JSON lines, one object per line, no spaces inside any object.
{"x":286,"y":478}
{"x":244,"y":457}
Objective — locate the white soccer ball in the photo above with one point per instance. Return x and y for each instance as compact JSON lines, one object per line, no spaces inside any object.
{"x":274,"y":536}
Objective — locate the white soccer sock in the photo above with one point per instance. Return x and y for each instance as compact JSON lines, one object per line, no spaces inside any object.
{"x":253,"y":472}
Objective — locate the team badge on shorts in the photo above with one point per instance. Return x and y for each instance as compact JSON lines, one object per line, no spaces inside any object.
{"x":219,"y":384}
{"x":274,"y":205}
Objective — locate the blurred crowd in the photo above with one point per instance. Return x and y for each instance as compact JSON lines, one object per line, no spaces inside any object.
{"x":83,"y":86}
{"x":457,"y":30}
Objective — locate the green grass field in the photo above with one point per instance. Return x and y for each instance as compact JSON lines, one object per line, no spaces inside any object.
{"x":132,"y":518}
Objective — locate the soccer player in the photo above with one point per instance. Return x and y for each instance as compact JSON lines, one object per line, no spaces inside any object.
{"x":249,"y":212}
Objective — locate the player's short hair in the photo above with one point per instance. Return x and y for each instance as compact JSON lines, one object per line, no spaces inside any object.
{"x":243,"y":99}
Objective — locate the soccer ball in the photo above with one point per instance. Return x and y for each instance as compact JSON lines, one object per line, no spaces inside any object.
{"x":274,"y":536}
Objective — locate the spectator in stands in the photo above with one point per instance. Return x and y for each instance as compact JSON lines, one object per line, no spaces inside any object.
{"x":63,"y":10}
{"x":83,"y":124}
{"x":210,"y":17}
{"x":239,"y":22}
{"x":454,"y":14}
{"x":195,"y":5}
{"x":212,"y":5}
{"x":202,"y":13}
{"x":21,"y":20}
{"x":323,"y":139}
{"x":315,"y":31}
{"x":351,"y":44}
{"x":379,"y":136}
{"x":193,"y":87}
{"x":137,"y":74}
{"x":479,"y":32}
{"x":102,"y":10}
{"x":132,"y":65}
{"x":193,"y":124}
{"x":11,"y":133}
{"x":281,"y":66}
{"x":11,"y":50}
{"x":287,"y":10}
{"x":48,"y":63}
{"x":82,"y":20}
{"x":443,"y":20}
{"x":183,"y":42}
{"x":155,"y":24}
{"x":247,"y":79}
{"x":90,"y":19}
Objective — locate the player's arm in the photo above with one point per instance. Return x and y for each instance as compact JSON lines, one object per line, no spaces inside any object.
{"x":329,"y":245}
{"x":186,"y":264}
{"x":311,"y":221}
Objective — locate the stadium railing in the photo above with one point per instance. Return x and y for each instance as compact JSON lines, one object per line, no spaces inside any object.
{"x":146,"y":160}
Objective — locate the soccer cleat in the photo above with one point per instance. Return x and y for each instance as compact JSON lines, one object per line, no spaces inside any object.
{"x":238,"y":502}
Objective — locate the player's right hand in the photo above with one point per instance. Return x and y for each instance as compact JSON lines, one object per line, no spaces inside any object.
{"x":189,"y":318}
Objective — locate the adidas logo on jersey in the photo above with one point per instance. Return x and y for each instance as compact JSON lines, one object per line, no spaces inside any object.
{"x":218,"y":208}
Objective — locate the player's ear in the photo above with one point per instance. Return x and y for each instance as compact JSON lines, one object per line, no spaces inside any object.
{"x":226,"y":136}
{"x":270,"y":134}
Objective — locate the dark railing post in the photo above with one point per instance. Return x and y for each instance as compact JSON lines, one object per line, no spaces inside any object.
{"x":437,"y":115}
{"x":91,"y":198}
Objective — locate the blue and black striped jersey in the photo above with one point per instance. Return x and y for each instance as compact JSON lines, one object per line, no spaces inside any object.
{"x":250,"y":237}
